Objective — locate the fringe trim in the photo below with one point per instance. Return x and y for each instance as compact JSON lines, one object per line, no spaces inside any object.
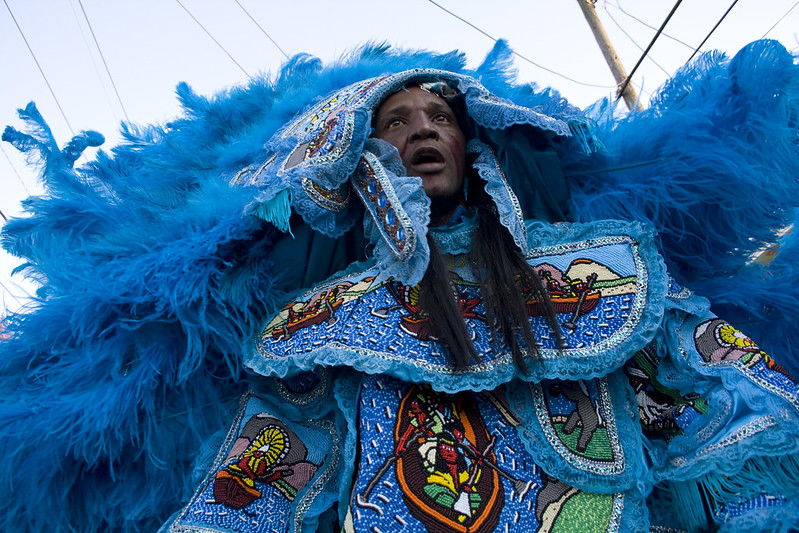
{"x":693,"y":501}
{"x":772,"y":475}
{"x":586,"y":137}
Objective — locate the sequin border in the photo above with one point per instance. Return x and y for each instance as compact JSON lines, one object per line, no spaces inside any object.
{"x":313,"y":492}
{"x":251,"y":173}
{"x":615,"y":514}
{"x":335,"y":200}
{"x":304,"y":399}
{"x":399,"y":232}
{"x":746,"y":431}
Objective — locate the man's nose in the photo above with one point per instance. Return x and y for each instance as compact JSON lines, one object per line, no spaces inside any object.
{"x":423,"y":128}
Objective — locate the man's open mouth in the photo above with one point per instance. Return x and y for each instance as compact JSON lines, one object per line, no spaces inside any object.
{"x":427,"y":155}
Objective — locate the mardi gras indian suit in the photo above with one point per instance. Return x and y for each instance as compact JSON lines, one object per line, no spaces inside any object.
{"x":212,"y":343}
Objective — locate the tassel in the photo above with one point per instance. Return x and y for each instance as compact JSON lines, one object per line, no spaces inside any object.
{"x":276,"y":211}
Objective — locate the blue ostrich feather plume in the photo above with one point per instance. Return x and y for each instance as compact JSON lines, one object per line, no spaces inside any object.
{"x":713,"y":164}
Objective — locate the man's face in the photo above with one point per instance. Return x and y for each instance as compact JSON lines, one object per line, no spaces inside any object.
{"x":430,"y":142}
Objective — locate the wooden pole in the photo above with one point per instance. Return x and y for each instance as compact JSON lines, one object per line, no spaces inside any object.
{"x":612,"y":59}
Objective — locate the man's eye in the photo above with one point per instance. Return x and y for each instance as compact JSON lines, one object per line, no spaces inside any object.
{"x":441,"y":117}
{"x":394,"y":122}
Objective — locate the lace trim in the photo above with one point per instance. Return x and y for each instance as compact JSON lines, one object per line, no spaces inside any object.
{"x":401,"y":248}
{"x":753,"y":408}
{"x":456,"y":239}
{"x":510,"y":212}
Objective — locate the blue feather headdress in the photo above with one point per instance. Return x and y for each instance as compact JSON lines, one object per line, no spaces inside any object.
{"x":154,"y":281}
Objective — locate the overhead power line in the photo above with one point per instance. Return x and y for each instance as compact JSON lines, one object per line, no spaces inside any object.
{"x":212,"y":38}
{"x":518,"y":54}
{"x":666,"y":72}
{"x":666,"y":35}
{"x":781,"y":19}
{"x":648,"y":48}
{"x":714,"y":29}
{"x":100,"y":51}
{"x":41,"y":71}
{"x":260,"y":28}
{"x":14,"y":169}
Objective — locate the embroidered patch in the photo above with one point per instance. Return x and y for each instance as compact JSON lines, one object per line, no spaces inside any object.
{"x":663,"y":412}
{"x":720,"y":344}
{"x":579,"y":422}
{"x":266,"y":475}
{"x":454,"y":463}
{"x":325,"y":132}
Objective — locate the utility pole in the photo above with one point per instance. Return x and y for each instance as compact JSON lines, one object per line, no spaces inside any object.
{"x":612,"y":59}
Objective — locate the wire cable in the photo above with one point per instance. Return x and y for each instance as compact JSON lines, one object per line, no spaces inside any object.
{"x":212,"y":37}
{"x":112,"y":108}
{"x":666,"y":72}
{"x":781,"y":19}
{"x":102,"y":56}
{"x":518,"y":54}
{"x":262,"y":30}
{"x":648,"y":48}
{"x":41,"y":71}
{"x":714,"y":29}
{"x":15,"y":170}
{"x":618,"y":6}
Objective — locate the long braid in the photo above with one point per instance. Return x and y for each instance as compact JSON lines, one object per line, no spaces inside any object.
{"x":507,"y":282}
{"x":438,"y":298}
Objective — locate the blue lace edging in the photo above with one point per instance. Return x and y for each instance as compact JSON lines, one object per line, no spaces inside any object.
{"x":510,"y":212}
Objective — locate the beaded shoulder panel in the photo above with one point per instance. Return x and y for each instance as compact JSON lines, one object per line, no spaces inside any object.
{"x":600,"y":289}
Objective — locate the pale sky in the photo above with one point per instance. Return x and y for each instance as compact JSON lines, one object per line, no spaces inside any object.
{"x":151,"y":45}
